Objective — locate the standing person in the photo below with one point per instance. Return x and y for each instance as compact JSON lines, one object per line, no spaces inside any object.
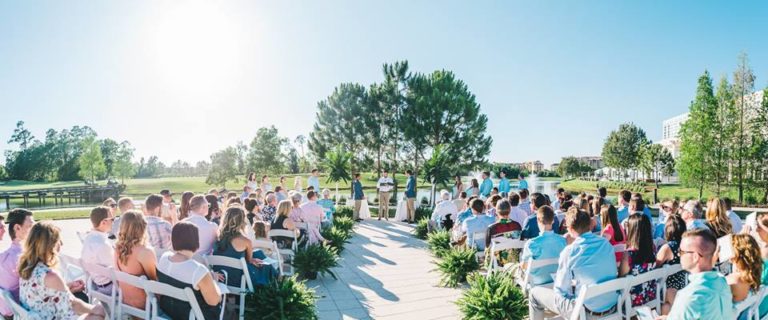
{"x":19,"y":221}
{"x":265,"y":185}
{"x":158,"y":230}
{"x":735,"y":219}
{"x":503,"y":184}
{"x":522,"y":183}
{"x":207,"y":231}
{"x":707,"y":295}
{"x":169,"y":212}
{"x":297,"y":185}
{"x":385,"y":186}
{"x":281,"y":183}
{"x":314,"y":180}
{"x":669,"y":254}
{"x":588,"y":260}
{"x":474,"y":188}
{"x":487,"y":186}
{"x":410,"y":195}
{"x":458,"y":186}
{"x":98,"y":249}
{"x":358,"y":196}
{"x":134,"y":257}
{"x":246,"y":192}
{"x":252,"y":181}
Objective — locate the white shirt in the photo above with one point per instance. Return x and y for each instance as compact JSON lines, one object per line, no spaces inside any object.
{"x":735,"y":221}
{"x":206,"y":231}
{"x":751,"y":221}
{"x":443,"y":208}
{"x":383,"y":184}
{"x":188,"y":271}
{"x":98,"y":249}
{"x":518,"y":215}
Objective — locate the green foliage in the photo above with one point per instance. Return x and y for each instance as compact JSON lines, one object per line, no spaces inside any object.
{"x":314,"y":259}
{"x":696,"y":135}
{"x":91,"y":160}
{"x":223,"y":167}
{"x":456,"y":265}
{"x":420,"y":231}
{"x":123,"y":167}
{"x":622,"y":147}
{"x":655,"y":159}
{"x":343,"y":211}
{"x":282,"y":298}
{"x":438,"y":169}
{"x":343,"y":222}
{"x":570,"y":167}
{"x":337,"y":163}
{"x":265,"y":153}
{"x":336,"y":237}
{"x":439,"y":242}
{"x":423,"y":212}
{"x":495,"y":297}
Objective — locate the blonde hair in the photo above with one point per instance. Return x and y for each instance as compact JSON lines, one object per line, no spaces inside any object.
{"x":284,"y":208}
{"x":133,"y":232}
{"x":717,"y":217}
{"x":746,"y":257}
{"x":38,"y":248}
{"x":232,"y":225}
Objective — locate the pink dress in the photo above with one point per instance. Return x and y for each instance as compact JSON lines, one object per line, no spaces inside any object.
{"x":609,"y":230}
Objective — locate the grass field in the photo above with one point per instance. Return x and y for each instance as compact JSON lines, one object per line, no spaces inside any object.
{"x":665,"y":191}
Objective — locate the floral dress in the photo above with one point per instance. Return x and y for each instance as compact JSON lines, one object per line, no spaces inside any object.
{"x":45,"y":302}
{"x":644,"y":292}
{"x":677,"y":280}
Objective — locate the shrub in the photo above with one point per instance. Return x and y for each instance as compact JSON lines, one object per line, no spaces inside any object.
{"x":315,"y":259}
{"x":420,"y":231}
{"x":456,"y":265}
{"x":493,"y":297}
{"x":343,"y":211}
{"x":336,"y":237}
{"x":284,"y":298}
{"x":344,"y":223}
{"x":439,"y":242}
{"x":423,"y":212}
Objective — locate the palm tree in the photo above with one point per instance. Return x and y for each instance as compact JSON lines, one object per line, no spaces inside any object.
{"x":337,"y":162}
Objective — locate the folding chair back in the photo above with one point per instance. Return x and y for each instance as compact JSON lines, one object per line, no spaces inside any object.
{"x":93,"y":270}
{"x":19,"y":312}
{"x":246,"y":285}
{"x":501,"y":244}
{"x":125,"y":309}
{"x":590,"y":291}
{"x":658,"y":274}
{"x":526,"y":281}
{"x":72,"y":268}
{"x":155,"y":289}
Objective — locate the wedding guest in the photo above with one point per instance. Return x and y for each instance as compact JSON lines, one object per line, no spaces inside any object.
{"x":312,"y":213}
{"x":458,"y":187}
{"x":717,"y":218}
{"x":735,"y":219}
{"x":639,"y":258}
{"x":19,"y":221}
{"x":233,"y":243}
{"x":546,"y":245}
{"x":613,"y":231}
{"x":283,"y":222}
{"x":268,"y":212}
{"x":134,"y":257}
{"x":207,"y":231}
{"x":158,"y":230}
{"x":474,"y":188}
{"x":265,"y":185}
{"x":98,"y":249}
{"x":747,"y":272}
{"x":184,"y":208}
{"x":314,"y":180}
{"x":252,"y":181}
{"x":669,"y":254}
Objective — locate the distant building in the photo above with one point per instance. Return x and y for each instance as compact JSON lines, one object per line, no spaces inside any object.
{"x":534,"y":166}
{"x":596,"y":162}
{"x":670,"y":134}
{"x":554,"y":166}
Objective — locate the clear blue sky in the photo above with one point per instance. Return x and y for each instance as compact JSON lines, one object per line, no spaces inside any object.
{"x":182,"y":81}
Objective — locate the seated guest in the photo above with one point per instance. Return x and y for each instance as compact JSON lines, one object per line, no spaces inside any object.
{"x":747,"y":272}
{"x":531,"y":227}
{"x":639,"y":258}
{"x":234,"y":244}
{"x":134,"y":257}
{"x":280,"y":193}
{"x":623,"y":210}
{"x":466,"y":213}
{"x":636,"y":206}
{"x":98,"y":249}
{"x":565,"y":205}
{"x":460,"y":202}
{"x":296,"y":212}
{"x":760,"y":233}
{"x":282,"y":222}
{"x":312,"y":213}
{"x":525,"y":203}
{"x":214,"y":210}
{"x":184,"y":207}
{"x":547,"y":245}
{"x":717,"y":218}
{"x":444,"y":208}
{"x":158,"y":229}
{"x":503,"y":225}
{"x":260,"y":230}
{"x":327,"y":203}
{"x":246,"y":192}
{"x":588,"y":260}
{"x":2,"y":228}
{"x":666,"y":209}
{"x":124,"y":204}
{"x":669,"y":254}
{"x":735,"y":219}
{"x":208,"y":232}
{"x":252,"y":209}
{"x":613,"y":231}
{"x":515,"y":213}
{"x":691,"y":213}
{"x":490,"y":205}
{"x":479,"y":222}
{"x":178,"y":269}
{"x":19,"y":221}
{"x":269,"y":210}
{"x":42,"y":289}
{"x":707,"y":295}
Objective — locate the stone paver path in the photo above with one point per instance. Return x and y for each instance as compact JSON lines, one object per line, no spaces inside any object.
{"x":385,"y":273}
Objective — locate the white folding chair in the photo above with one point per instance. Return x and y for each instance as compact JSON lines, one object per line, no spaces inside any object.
{"x":72,"y":268}
{"x":19,"y":312}
{"x":658,"y":274}
{"x":476,"y":236}
{"x":286,"y":255}
{"x":81,"y":236}
{"x":270,"y":250}
{"x":126,"y":309}
{"x":155,"y":289}
{"x":501,"y":244}
{"x":525,"y":281}
{"x":95,"y":270}
{"x":246,"y":284}
{"x":590,"y":291}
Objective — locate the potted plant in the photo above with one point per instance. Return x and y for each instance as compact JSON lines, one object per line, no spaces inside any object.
{"x":439,"y":242}
{"x":314,"y":259}
{"x":456,"y":265}
{"x":282,"y":298}
{"x":493,"y":297}
{"x":336,"y":237}
{"x":421,"y":229}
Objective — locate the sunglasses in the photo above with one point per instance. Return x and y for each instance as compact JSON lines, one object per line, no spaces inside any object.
{"x":113,"y":205}
{"x":682,"y":252}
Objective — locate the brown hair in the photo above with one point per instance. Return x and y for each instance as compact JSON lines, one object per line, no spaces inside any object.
{"x":609,"y":216}
{"x":184,"y":236}
{"x":503,"y":208}
{"x":259,"y":229}
{"x":579,"y":220}
{"x":545,"y":215}
{"x":123,"y":204}
{"x":133,"y":228}
{"x":232,"y":225}
{"x":747,"y":259}
{"x":184,"y":208}
{"x":717,"y":217}
{"x":98,"y":215}
{"x":38,"y":248}
{"x":153,"y":202}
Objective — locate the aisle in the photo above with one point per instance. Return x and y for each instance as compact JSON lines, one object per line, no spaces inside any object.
{"x":385,"y":273}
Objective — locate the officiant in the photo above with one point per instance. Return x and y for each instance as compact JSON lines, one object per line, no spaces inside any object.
{"x":384,"y":187}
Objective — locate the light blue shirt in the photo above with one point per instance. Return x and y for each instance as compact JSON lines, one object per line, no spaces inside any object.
{"x":464,"y":216}
{"x":707,"y":296}
{"x":314,"y":182}
{"x":477,"y":223}
{"x":588,"y":260}
{"x":486,"y":187}
{"x":504,"y":185}
{"x":623,"y":213}
{"x":696,"y":224}
{"x":547,"y":245}
{"x":522,"y":184}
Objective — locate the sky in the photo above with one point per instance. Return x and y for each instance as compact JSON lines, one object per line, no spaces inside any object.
{"x":184,"y":79}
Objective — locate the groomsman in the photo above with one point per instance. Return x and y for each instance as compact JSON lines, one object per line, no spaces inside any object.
{"x":384,"y":185}
{"x":357,"y":196}
{"x":410,"y":196}
{"x":487,"y":185}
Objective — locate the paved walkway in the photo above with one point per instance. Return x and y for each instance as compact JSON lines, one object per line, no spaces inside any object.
{"x":385,"y":273}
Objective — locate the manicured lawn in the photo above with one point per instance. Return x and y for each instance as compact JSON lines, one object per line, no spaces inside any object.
{"x":60,"y":214}
{"x":665,"y":191}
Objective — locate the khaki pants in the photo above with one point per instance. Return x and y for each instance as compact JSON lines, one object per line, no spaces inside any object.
{"x":356,"y":211}
{"x":384,"y":205}
{"x":411,"y":209}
